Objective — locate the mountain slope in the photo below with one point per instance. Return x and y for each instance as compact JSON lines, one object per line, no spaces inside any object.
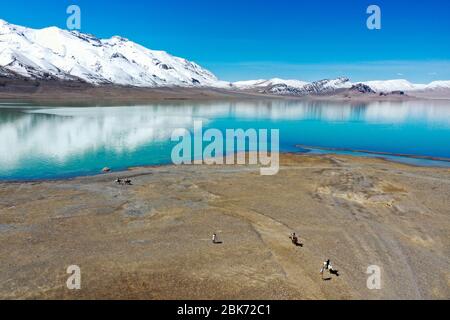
{"x":53,"y":53}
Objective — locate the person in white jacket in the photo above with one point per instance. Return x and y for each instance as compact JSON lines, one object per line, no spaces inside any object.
{"x":327,"y":266}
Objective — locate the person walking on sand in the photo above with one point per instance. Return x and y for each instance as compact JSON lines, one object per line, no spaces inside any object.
{"x":327,"y":266}
{"x":294,"y":239}
{"x":214,"y":238}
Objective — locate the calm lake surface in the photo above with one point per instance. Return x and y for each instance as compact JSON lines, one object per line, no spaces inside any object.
{"x":42,"y":142}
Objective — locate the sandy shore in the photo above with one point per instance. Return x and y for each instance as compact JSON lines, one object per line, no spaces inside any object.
{"x":151,"y":240}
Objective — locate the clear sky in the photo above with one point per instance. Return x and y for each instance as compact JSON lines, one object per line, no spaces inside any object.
{"x":249,"y":39}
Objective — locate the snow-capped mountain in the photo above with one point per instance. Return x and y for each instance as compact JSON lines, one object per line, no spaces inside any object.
{"x":405,"y":85}
{"x":316,"y":87}
{"x":268,"y":83}
{"x":56,"y":54}
{"x":331,"y":86}
{"x":393,"y":85}
{"x":294,"y":87}
{"x":53,"y":53}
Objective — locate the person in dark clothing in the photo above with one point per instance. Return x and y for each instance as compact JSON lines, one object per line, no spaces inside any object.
{"x":294,"y":239}
{"x":327,"y":266}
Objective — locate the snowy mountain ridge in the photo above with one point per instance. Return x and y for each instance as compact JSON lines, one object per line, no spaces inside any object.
{"x":53,"y":53}
{"x":56,"y":54}
{"x":280,"y":86}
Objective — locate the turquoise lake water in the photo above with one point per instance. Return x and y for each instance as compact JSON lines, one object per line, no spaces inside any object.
{"x":42,"y":142}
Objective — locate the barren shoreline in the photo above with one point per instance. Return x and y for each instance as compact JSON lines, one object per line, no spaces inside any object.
{"x":53,"y":92}
{"x":151,"y":240}
{"x":378,"y":153}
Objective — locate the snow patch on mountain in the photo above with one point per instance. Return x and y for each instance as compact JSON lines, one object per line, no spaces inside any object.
{"x":267,"y":83}
{"x":405,"y":85}
{"x":435,"y":85}
{"x":393,"y":85}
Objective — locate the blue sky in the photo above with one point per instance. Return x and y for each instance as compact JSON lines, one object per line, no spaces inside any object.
{"x":248,"y":39}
